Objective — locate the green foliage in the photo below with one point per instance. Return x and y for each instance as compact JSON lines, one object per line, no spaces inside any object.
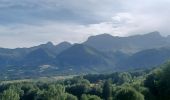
{"x":90,"y":97}
{"x":79,"y":86}
{"x":117,"y":78}
{"x":96,"y":90}
{"x":127,"y":93}
{"x":78,"y":89}
{"x":9,"y":94}
{"x":123,"y":78}
{"x":107,"y":90}
{"x":70,"y":97}
{"x":84,"y":97}
{"x":54,"y":92}
{"x":159,"y":82}
{"x":154,"y":85}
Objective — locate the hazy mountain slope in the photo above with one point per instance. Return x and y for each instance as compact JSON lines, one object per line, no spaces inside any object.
{"x":36,"y":58}
{"x":99,"y":54}
{"x":104,"y":42}
{"x":48,"y":47}
{"x":83,"y":56}
{"x":131,"y":44}
{"x":5,"y":61}
{"x":62,"y":46}
{"x":168,"y":39}
{"x":117,"y":56}
{"x":146,"y":59}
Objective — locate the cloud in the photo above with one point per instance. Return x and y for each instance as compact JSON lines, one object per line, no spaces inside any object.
{"x":25,"y":23}
{"x":73,"y":11}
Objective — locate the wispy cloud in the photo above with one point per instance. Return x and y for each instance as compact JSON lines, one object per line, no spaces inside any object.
{"x":30,"y":22}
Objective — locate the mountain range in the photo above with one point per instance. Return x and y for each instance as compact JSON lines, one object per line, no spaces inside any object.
{"x":98,"y":54}
{"x":131,"y":44}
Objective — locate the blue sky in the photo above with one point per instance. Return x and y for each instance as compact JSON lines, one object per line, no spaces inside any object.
{"x":24,"y":23}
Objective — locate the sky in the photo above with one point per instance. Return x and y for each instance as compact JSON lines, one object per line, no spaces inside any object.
{"x":26,"y":23}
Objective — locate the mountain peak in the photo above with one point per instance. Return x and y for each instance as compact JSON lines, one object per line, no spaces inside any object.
{"x":49,"y":43}
{"x":155,"y":33}
{"x":105,"y":35}
{"x":81,"y":55}
{"x":79,"y":46}
{"x":100,"y":38}
{"x":62,"y":46}
{"x":65,"y":43}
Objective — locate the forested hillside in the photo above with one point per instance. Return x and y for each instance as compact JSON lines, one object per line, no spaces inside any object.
{"x":137,"y":85}
{"x":97,"y":55}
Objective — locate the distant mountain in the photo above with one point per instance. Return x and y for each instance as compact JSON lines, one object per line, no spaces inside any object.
{"x":36,"y":58}
{"x":80,"y":55}
{"x":131,"y":44}
{"x":62,"y":46}
{"x":5,"y":61}
{"x":104,"y":42}
{"x":99,"y":54}
{"x":168,"y":38}
{"x":52,"y":49}
{"x":36,"y":55}
{"x":146,"y":59}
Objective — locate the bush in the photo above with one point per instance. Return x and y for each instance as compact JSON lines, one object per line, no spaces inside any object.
{"x":128,"y":93}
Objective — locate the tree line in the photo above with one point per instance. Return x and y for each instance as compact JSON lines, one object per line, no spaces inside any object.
{"x":138,"y":85}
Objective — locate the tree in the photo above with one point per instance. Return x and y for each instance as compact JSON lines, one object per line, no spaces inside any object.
{"x":78,"y":89}
{"x":164,"y":82}
{"x":151,"y":83}
{"x":107,"y":90}
{"x":9,"y":94}
{"x":159,"y":82}
{"x":128,"y":93}
{"x":89,"y":97}
{"x":54,"y":92}
{"x":96,"y":90}
{"x":121,"y":78}
{"x":31,"y":92}
{"x":71,"y":97}
{"x":84,"y":97}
